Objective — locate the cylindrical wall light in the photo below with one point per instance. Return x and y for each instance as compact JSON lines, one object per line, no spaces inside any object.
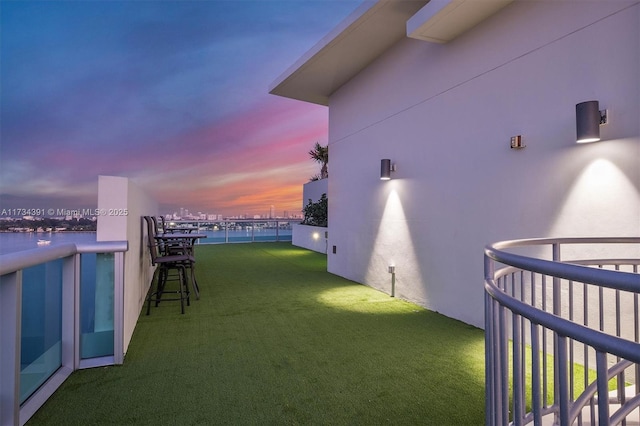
{"x":516,"y":142}
{"x":588,"y":120}
{"x":386,"y":168}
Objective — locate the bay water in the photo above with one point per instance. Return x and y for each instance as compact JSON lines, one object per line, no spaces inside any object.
{"x":18,"y":241}
{"x":11,"y":242}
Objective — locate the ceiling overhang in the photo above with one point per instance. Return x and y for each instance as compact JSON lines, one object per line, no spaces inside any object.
{"x":441,"y":21}
{"x":367,"y":33}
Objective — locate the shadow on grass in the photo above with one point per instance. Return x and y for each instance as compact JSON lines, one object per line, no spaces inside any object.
{"x":275,"y":339}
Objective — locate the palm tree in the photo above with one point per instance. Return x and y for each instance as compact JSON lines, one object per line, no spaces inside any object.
{"x":320,"y":154}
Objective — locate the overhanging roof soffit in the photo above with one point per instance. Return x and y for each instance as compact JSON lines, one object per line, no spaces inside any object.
{"x":370,"y":31}
{"x":441,"y":21}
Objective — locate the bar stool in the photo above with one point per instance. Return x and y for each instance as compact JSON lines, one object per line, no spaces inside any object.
{"x":166,"y":265}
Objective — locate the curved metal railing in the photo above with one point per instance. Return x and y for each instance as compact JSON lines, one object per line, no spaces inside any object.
{"x":562,"y":331}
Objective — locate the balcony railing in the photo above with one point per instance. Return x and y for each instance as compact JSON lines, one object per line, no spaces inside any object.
{"x":60,"y":310}
{"x":562,"y":332}
{"x":238,"y":230}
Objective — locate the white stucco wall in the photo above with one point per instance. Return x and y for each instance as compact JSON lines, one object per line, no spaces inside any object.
{"x":118,"y":193}
{"x":310,"y":237}
{"x":445,"y":114}
{"x":313,"y":190}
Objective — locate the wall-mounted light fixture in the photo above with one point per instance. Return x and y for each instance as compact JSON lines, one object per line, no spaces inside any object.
{"x":386,"y":168}
{"x":516,"y":142}
{"x":589,"y":117}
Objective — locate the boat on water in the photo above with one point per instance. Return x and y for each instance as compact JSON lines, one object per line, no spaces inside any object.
{"x":43,"y":242}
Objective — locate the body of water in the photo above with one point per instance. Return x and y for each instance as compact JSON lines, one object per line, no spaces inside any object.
{"x":18,"y":241}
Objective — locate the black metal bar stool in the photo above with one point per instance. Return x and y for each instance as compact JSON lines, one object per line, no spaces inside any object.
{"x":170,"y":268}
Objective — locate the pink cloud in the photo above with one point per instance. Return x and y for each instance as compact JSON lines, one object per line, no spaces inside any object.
{"x":261,"y":158}
{"x":243,"y":164}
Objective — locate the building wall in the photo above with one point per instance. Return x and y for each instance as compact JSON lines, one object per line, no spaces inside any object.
{"x":119,"y":193}
{"x":313,"y":190}
{"x":445,"y":114}
{"x":310,"y":237}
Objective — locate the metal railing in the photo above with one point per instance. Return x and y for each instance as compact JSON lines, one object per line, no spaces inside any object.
{"x":237,"y":230}
{"x":562,"y":331}
{"x":61,"y":309}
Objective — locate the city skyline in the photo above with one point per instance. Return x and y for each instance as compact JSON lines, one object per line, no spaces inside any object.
{"x":94,"y":213}
{"x":173,"y":95}
{"x":187,"y":214}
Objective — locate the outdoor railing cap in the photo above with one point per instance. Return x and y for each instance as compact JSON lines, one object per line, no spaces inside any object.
{"x":12,"y":262}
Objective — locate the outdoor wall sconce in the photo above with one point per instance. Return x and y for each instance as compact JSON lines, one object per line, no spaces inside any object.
{"x":386,"y":168}
{"x":589,"y":117}
{"x":516,"y":142}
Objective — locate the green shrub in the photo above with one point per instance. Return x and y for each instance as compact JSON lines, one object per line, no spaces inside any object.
{"x":315,"y":214}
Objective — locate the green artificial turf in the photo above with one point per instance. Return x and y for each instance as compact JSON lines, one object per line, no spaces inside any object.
{"x":276,"y":340}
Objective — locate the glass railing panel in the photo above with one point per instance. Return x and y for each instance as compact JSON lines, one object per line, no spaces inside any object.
{"x":245,"y":231}
{"x":41,"y":342}
{"x":284,"y":231}
{"x":96,"y":305}
{"x":235,"y":231}
{"x":215,"y":236}
{"x":266,"y":231}
{"x":241,"y":232}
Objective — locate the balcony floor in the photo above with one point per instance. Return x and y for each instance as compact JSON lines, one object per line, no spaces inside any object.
{"x":275,"y":339}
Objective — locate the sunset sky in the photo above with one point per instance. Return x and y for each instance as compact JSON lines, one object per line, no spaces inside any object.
{"x":173,"y":94}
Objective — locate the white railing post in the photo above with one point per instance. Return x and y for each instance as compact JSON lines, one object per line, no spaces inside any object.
{"x":562,"y":377}
{"x":536,"y":397}
{"x":70,"y":317}
{"x":603,"y":388}
{"x":10,"y":315}
{"x":76,"y":310}
{"x":557,"y":309}
{"x":118,"y":308}
{"x":488,"y":360}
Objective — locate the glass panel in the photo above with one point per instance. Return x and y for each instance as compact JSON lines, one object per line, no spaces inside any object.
{"x":264,"y":231}
{"x":96,"y":305}
{"x":215,"y":236}
{"x":239,"y":232}
{"x":41,"y":343}
{"x":246,"y":232}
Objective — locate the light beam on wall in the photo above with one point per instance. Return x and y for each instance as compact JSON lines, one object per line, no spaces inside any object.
{"x":602,"y":201}
{"x":393,"y":245}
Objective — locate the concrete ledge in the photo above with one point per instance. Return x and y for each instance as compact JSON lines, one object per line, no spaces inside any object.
{"x":310,"y":237}
{"x":313,"y":191}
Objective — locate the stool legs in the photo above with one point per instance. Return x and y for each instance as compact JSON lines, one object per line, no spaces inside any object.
{"x":162,"y":279}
